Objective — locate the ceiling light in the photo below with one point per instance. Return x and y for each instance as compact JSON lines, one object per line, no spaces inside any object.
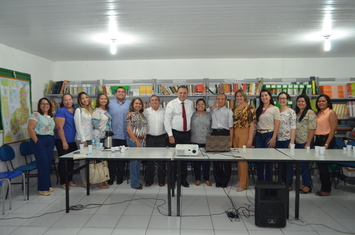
{"x":113,"y":46}
{"x":327,"y":44}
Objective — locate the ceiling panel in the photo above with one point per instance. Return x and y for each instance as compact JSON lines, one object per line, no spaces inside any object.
{"x":178,"y":29}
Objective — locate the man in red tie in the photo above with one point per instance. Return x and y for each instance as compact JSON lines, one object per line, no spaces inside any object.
{"x":177,"y":124}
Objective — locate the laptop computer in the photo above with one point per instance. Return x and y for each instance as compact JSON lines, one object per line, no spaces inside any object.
{"x":217,"y":143}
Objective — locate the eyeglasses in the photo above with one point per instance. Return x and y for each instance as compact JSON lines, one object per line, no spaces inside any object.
{"x":44,"y":104}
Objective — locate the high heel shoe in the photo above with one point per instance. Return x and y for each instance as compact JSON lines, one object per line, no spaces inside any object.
{"x":305,"y":190}
{"x":44,"y":193}
{"x":72,"y":184}
{"x":103,"y":185}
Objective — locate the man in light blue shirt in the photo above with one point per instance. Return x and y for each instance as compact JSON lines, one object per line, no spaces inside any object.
{"x":118,"y":109}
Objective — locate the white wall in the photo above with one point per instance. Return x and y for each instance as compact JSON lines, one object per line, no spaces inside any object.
{"x":41,"y":70}
{"x":206,"y":68}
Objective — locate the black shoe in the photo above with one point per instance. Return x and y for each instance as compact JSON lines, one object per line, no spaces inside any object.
{"x":148,"y":183}
{"x":119,"y":181}
{"x":218,"y":185}
{"x":110,"y":181}
{"x":224,"y":185}
{"x":185,"y":184}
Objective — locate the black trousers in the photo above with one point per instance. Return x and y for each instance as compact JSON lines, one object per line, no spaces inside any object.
{"x":61,"y":164}
{"x":117,"y":167}
{"x":156,"y":141}
{"x":324,"y":174}
{"x":222,"y":170}
{"x":181,"y":137}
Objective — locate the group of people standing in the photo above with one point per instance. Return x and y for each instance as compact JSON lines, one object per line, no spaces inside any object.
{"x":182,"y":122}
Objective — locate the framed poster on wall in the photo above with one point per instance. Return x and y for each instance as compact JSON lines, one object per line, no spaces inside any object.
{"x":15,"y":108}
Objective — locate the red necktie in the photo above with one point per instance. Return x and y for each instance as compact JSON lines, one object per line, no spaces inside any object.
{"x":184,"y":117}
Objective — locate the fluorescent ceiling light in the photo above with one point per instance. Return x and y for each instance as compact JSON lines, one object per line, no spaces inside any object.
{"x":327,"y":44}
{"x":113,"y":47}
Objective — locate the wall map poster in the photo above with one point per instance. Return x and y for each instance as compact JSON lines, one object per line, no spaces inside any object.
{"x":15,"y":108}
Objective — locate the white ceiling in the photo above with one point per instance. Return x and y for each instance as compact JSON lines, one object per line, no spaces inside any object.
{"x":64,"y":30}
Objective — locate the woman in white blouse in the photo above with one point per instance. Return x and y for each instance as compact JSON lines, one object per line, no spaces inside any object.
{"x":287,"y":133}
{"x":267,"y":127}
{"x":83,"y":125}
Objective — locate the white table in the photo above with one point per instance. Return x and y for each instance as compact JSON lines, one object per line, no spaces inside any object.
{"x":310,"y":155}
{"x":146,"y":153}
{"x":236,"y":154}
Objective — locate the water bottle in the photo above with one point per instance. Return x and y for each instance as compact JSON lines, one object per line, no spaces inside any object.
{"x":97,"y":142}
{"x":93,"y":146}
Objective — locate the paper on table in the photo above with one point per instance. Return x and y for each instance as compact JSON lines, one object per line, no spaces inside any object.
{"x":79,"y":156}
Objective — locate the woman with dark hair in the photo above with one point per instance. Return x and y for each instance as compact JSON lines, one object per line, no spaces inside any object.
{"x":244,"y":120}
{"x":65,"y":137}
{"x":83,"y":125}
{"x":306,"y":124}
{"x":137,"y":131}
{"x":267,"y":127}
{"x":287,"y":133}
{"x":200,"y":128}
{"x":41,"y":129}
{"x":101,"y":119}
{"x":327,"y":124}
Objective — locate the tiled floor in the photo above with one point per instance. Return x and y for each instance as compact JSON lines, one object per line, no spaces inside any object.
{"x":122,"y":210}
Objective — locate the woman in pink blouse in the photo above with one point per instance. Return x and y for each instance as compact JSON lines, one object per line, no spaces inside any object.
{"x":327,"y":124}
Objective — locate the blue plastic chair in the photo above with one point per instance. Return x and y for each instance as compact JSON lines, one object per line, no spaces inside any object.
{"x":26,"y":151}
{"x":339,"y":170}
{"x":7,"y":176}
{"x":339,"y":144}
{"x":7,"y":154}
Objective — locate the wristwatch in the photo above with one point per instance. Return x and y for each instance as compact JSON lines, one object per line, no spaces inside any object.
{"x":326,"y":145}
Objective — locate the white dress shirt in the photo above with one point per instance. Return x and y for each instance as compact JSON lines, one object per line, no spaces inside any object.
{"x":173,"y":115}
{"x":155,"y":118}
{"x":222,"y":118}
{"x":83,"y":126}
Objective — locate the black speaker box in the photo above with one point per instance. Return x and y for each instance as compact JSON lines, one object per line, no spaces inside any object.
{"x":270,"y":204}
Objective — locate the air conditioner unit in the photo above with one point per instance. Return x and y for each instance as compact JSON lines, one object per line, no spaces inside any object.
{"x":186,"y":149}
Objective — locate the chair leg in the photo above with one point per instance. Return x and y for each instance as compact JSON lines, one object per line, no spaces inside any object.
{"x":3,"y":198}
{"x":55,"y":171}
{"x":24,"y":185}
{"x":28,"y":185}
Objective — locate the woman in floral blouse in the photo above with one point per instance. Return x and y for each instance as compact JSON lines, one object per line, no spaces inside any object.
{"x":101,"y":119}
{"x":137,"y":131}
{"x":244,"y":119}
{"x":41,"y":129}
{"x":287,"y":132}
{"x":306,"y":127}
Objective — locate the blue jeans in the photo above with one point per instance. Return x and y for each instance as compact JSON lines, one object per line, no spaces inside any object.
{"x":261,"y":141}
{"x":43,"y":151}
{"x":134,"y":167}
{"x":282,"y":166}
{"x":305,"y":170}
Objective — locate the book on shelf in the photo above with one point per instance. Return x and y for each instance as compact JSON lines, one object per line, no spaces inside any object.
{"x":334,"y":91}
{"x":340,"y":110}
{"x":192,"y":89}
{"x":111,"y":90}
{"x":231,"y":88}
{"x":291,"y":89}
{"x":145,"y":90}
{"x":49,"y":87}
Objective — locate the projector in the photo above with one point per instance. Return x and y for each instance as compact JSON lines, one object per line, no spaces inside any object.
{"x":186,"y":149}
